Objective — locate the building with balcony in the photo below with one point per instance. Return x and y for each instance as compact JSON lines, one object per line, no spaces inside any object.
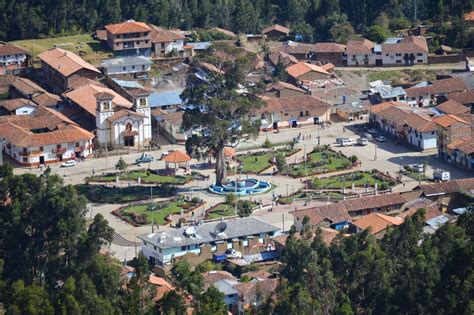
{"x":406,"y":51}
{"x":44,"y":137}
{"x":129,"y":38}
{"x":360,"y":53}
{"x":12,"y":59}
{"x":244,"y":235}
{"x":61,"y":68}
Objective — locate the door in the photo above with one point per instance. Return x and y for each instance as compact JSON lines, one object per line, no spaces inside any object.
{"x":129,"y":141}
{"x":378,"y":62}
{"x":275,"y":125}
{"x":42,"y":160}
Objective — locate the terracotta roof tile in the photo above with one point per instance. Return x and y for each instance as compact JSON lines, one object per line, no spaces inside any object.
{"x":223,"y":31}
{"x":466,"y":97}
{"x":285,"y":58}
{"x":377,"y":222}
{"x":432,"y":208}
{"x":211,"y":277}
{"x":46,"y":99}
{"x":297,"y":48}
{"x":295,"y":103}
{"x":447,"y":187}
{"x":159,"y":35}
{"x":261,"y":274}
{"x":448,"y":120}
{"x":300,"y":68}
{"x":410,"y":44}
{"x":27,"y":87}
{"x":328,"y":66}
{"x":382,"y":106}
{"x":453,"y":107}
{"x":280,"y":85}
{"x":10,"y":50}
{"x":469,"y":16}
{"x":84,"y":97}
{"x":276,"y":27}
{"x":122,"y":113}
{"x":359,"y":47}
{"x":65,"y":62}
{"x":329,"y":48}
{"x":127,"y":27}
{"x":16,"y":103}
{"x":443,"y":86}
{"x":177,"y":157}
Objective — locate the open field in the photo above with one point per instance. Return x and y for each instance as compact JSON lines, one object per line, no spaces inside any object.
{"x":83,"y":45}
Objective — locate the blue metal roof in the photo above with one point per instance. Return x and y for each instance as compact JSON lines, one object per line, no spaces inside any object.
{"x":438,"y":221}
{"x":160,"y":99}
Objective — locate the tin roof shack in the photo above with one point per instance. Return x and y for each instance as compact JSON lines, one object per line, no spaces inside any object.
{"x":241,"y":234}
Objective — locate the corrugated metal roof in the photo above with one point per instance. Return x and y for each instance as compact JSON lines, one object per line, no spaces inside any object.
{"x":128,"y":84}
{"x":126,"y":61}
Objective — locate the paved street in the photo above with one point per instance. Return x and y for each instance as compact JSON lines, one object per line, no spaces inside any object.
{"x":386,"y":157}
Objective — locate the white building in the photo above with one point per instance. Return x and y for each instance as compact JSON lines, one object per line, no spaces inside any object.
{"x":360,"y":53}
{"x":12,"y":58}
{"x":125,"y":68}
{"x":161,"y":248}
{"x":406,"y":51}
{"x":168,"y":43}
{"x":44,"y":137}
{"x":122,"y":126}
{"x":428,"y":94}
{"x":17,"y":106}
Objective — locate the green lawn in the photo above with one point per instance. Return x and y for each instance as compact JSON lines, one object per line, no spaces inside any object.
{"x":149,"y":178}
{"x":258,"y":162}
{"x":318,"y":161}
{"x":222,"y":210}
{"x":102,"y":194}
{"x":158,"y":215}
{"x":302,"y":195}
{"x":84,"y":45}
{"x":360,"y":179}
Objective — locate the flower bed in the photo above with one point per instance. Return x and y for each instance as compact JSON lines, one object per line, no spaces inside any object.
{"x":358,"y":178}
{"x":113,"y":194}
{"x":158,"y":213}
{"x":257,"y":162}
{"x":146,"y":177}
{"x":319,"y":161}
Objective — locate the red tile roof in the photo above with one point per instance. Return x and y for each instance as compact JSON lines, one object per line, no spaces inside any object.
{"x":410,"y":44}
{"x":295,"y":103}
{"x":65,"y":62}
{"x":177,"y":157}
{"x":128,"y":27}
{"x":359,"y":47}
{"x":466,"y":97}
{"x":14,"y":104}
{"x":443,"y":86}
{"x":280,"y":85}
{"x":447,"y":187}
{"x":124,"y":112}
{"x":223,"y":31}
{"x":448,"y":120}
{"x":276,"y":27}
{"x":300,"y":68}
{"x":329,"y":48}
{"x":8,"y":49}
{"x":469,"y":16}
{"x":453,"y":107}
{"x":46,"y":99}
{"x":286,"y":58}
{"x":377,"y":222}
{"x":211,"y":277}
{"x":159,"y":35}
{"x":380,"y":107}
{"x":432,"y":208}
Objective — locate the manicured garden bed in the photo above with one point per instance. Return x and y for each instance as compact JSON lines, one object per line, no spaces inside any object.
{"x":360,"y":179}
{"x":310,"y":195}
{"x":103,"y":194}
{"x":259,"y":161}
{"x":157,"y":212}
{"x":146,"y":177}
{"x":226,"y":210}
{"x":319,"y":161}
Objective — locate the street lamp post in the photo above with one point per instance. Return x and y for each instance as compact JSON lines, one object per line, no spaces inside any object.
{"x":375,"y":153}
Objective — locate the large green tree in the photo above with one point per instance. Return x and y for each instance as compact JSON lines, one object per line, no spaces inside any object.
{"x":218,"y":114}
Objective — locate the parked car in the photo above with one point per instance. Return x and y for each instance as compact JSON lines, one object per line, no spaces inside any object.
{"x":417,"y":168}
{"x":144,"y":158}
{"x":380,"y":139}
{"x":69,"y":163}
{"x":347,"y":142}
{"x":367,"y":136}
{"x":441,"y":176}
{"x":362,"y":141}
{"x":372,"y":131}
{"x":339,"y":140}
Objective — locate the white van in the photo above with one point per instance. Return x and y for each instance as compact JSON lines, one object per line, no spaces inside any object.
{"x":441,"y":176}
{"x":347,"y":142}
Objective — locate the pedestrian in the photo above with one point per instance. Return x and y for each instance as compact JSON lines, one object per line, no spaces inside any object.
{"x":343,"y":129}
{"x":309,"y":136}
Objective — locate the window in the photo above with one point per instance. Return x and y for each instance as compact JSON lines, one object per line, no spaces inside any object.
{"x":143,"y":102}
{"x":138,"y":42}
{"x":307,"y":113}
{"x":419,"y":54}
{"x":25,"y":160}
{"x":106,"y":105}
{"x":183,"y":248}
{"x":41,"y":149}
{"x":301,"y":114}
{"x":77,"y":144}
{"x":398,"y":55}
{"x":133,"y":67}
{"x":398,"y":61}
{"x":58,"y":146}
{"x":386,"y":55}
{"x":419,"y":60}
{"x":124,"y":68}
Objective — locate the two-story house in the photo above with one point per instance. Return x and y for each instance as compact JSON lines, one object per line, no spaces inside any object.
{"x":168,"y":43}
{"x":127,"y":68}
{"x":129,"y":38}
{"x":406,"y":51}
{"x":430,"y":94}
{"x":453,"y":131}
{"x":61,"y":68}
{"x":292,"y":111}
{"x":44,"y":137}
{"x":12,"y":59}
{"x":330,"y":53}
{"x":360,"y":53}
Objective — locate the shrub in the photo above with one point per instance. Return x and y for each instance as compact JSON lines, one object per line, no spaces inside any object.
{"x":280,"y":162}
{"x":181,"y":221}
{"x":384,"y":186}
{"x":244,"y":208}
{"x":267,"y":144}
{"x":353,"y":158}
{"x":195,"y":200}
{"x":230,"y":199}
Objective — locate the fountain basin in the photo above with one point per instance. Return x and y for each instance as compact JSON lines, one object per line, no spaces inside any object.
{"x":245,"y":187}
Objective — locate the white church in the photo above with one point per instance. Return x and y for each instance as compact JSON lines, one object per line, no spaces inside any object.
{"x":119,"y":125}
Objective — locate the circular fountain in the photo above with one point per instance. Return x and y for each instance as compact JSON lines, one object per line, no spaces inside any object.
{"x":242,"y":187}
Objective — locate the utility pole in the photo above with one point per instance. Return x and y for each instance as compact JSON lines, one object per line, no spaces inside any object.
{"x":375,"y":153}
